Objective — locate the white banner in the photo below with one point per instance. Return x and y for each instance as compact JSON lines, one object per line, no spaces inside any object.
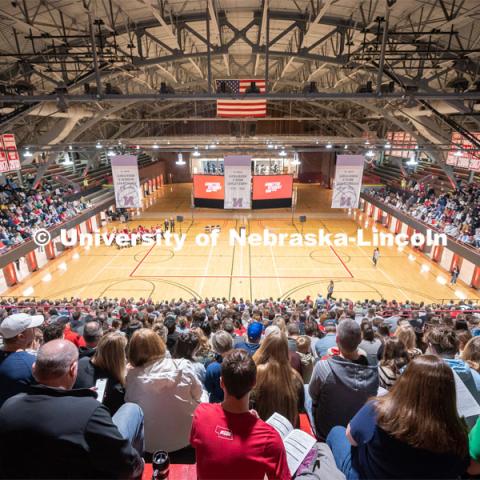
{"x":126,"y":181}
{"x":238,"y":181}
{"x":348,"y":181}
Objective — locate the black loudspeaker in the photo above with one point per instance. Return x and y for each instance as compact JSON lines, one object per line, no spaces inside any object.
{"x":179,"y":219}
{"x":302,"y":218}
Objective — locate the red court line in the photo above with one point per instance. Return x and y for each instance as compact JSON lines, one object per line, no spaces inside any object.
{"x":342,"y":262}
{"x":142,"y":260}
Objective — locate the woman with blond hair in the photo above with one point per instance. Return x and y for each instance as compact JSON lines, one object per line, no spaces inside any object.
{"x":406,"y":334}
{"x":471,"y":353}
{"x":167,"y":390}
{"x":109,"y":362}
{"x":279,"y":387}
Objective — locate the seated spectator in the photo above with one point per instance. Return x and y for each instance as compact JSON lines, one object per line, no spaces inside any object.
{"x":406,"y":334}
{"x":172,"y":335}
{"x":67,"y":433}
{"x":168,"y":392}
{"x":109,"y":362}
{"x":471,"y":353}
{"x":329,"y":340}
{"x":370,"y":344}
{"x":229,"y":439}
{"x":254,"y":334}
{"x":18,"y":332}
{"x":92,"y":333}
{"x":443,"y":342}
{"x":222,"y":343}
{"x":53,"y":331}
{"x":293,"y":333}
{"x":279,"y":387}
{"x":395,"y":357}
{"x":306,"y":357}
{"x":341,"y":384}
{"x":204,"y":353}
{"x":186,"y":346}
{"x":464,"y":337}
{"x":413,"y":431}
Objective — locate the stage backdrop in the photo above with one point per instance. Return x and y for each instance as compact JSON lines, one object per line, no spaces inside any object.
{"x":238,"y":181}
{"x":126,"y":181}
{"x":272,"y":191}
{"x":348,"y":181}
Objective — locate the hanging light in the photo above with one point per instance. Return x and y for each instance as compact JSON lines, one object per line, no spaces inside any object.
{"x":196,"y":153}
{"x":283,"y":153}
{"x":412,"y":161}
{"x":155,"y":146}
{"x":28,"y":153}
{"x":269,"y":145}
{"x":110,"y":153}
{"x":329,"y":145}
{"x":458,"y":153}
{"x":388,"y":146}
{"x":345,"y":147}
{"x":180,"y":160}
{"x":98,"y":145}
{"x":370,"y":154}
{"x":70,"y":147}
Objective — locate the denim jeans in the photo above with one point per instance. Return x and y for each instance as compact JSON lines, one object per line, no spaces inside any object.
{"x":129,"y":421}
{"x":342,"y":451}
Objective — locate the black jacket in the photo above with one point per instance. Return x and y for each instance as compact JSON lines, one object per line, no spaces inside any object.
{"x":87,"y":377}
{"x":55,"y":433}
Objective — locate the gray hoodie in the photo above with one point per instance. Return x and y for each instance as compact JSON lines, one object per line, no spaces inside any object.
{"x":339,"y":388}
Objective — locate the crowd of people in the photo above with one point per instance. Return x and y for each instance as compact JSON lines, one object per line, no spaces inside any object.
{"x":455,"y":213}
{"x":24,"y":209}
{"x":200,"y":379}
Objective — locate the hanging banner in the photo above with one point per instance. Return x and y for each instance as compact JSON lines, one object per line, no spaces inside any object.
{"x":4,"y":167}
{"x":238,"y":181}
{"x":348,"y":181}
{"x":126,"y":182}
{"x":13,"y":160}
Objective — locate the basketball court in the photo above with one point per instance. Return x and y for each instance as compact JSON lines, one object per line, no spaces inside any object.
{"x":250,"y":272}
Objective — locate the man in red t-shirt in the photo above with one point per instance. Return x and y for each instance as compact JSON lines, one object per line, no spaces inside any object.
{"x":231,"y":441}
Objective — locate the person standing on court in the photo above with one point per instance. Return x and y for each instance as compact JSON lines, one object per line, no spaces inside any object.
{"x":166,"y":224}
{"x":376,"y":255}
{"x":172,"y":224}
{"x":455,"y":274}
{"x":330,"y":288}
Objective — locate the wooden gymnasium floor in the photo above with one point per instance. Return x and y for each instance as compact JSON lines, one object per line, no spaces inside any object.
{"x":248,"y":272}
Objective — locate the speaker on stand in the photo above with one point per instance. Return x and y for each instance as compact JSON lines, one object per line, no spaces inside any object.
{"x":302,"y":219}
{"x":180,"y":221}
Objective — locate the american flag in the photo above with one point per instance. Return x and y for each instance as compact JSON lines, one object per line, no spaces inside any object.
{"x":241,"y":108}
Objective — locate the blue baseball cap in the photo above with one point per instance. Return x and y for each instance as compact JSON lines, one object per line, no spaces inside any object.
{"x":255,"y":330}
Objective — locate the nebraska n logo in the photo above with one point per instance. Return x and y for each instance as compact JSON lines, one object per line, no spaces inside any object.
{"x":237,"y":202}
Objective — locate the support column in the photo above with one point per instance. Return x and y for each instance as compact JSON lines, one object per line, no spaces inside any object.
{"x":31,"y":260}
{"x":10,"y":275}
{"x":50,"y":251}
{"x":476,"y":278}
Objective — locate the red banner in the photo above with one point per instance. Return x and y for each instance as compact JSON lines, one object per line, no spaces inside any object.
{"x":266,"y":187}
{"x":9,"y":141}
{"x":209,"y":186}
{"x":9,"y":157}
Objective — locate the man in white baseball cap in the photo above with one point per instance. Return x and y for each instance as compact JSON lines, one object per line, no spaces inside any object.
{"x":18,"y":332}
